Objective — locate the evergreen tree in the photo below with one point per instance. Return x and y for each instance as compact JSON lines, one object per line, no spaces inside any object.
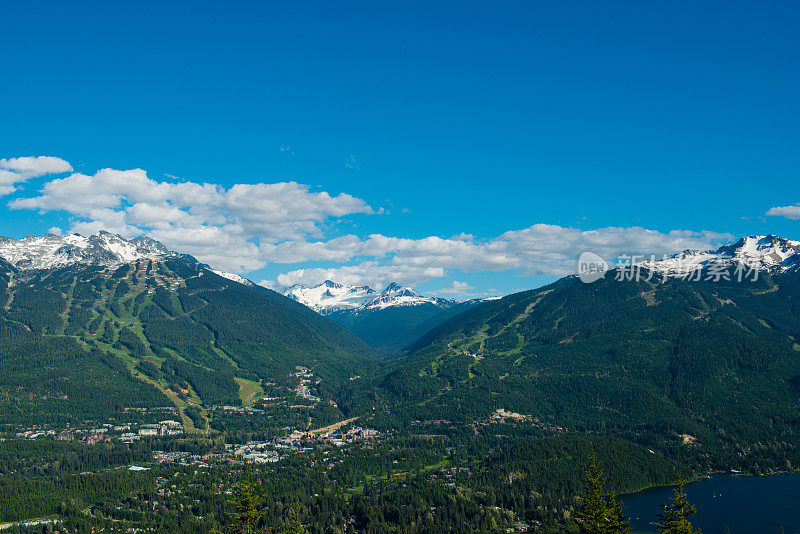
{"x":295,"y":527}
{"x":249,"y":510}
{"x":674,"y":519}
{"x":600,"y":512}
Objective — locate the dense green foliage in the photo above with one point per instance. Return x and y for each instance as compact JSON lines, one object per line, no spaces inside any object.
{"x":456,"y":482}
{"x":600,"y":512}
{"x":82,"y":342}
{"x":653,"y":377}
{"x":55,"y":380}
{"x":646,"y":360}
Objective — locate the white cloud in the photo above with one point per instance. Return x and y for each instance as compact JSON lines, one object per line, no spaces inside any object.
{"x":538,"y":250}
{"x":455,"y":253}
{"x":541,"y":249}
{"x":286,"y":210}
{"x":36,"y":166}
{"x":370,"y":273}
{"x":790,"y":212}
{"x":545,"y":249}
{"x":18,"y":170}
{"x":243,"y":227}
{"x":456,"y":288}
{"x":7,"y":181}
{"x":220,"y":226}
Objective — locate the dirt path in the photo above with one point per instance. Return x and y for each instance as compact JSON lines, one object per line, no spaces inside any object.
{"x":335,"y":426}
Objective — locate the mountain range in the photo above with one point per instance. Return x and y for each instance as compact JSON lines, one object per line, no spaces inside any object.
{"x":329,"y":297}
{"x":52,"y":251}
{"x":92,"y":326}
{"x":388,"y":321}
{"x":768,"y":253}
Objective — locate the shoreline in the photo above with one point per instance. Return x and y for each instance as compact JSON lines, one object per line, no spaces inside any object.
{"x":708,"y":475}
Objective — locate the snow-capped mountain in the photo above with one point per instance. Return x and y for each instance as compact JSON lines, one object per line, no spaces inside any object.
{"x":388,"y":321}
{"x":234,"y":277}
{"x":397,"y":295}
{"x":50,"y":251}
{"x":329,"y":297}
{"x":759,"y":252}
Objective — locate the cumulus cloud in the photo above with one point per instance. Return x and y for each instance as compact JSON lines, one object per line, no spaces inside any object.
{"x":456,"y":288}
{"x":243,"y":227}
{"x":790,"y":212}
{"x":286,"y":210}
{"x":365,"y":273}
{"x":221,"y":226}
{"x":36,"y":166}
{"x":545,"y":249}
{"x":7,"y":181}
{"x":538,"y":250}
{"x":541,"y":249}
{"x":455,"y":253}
{"x":18,"y":170}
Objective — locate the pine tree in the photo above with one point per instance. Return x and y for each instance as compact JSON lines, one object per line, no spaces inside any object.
{"x":295,"y":527}
{"x":674,"y":519}
{"x":600,"y":512}
{"x":617,"y":523}
{"x":249,"y":510}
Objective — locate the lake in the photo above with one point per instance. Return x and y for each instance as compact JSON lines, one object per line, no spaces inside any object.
{"x":742,"y":503}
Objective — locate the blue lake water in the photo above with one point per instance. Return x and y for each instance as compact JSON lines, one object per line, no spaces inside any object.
{"x":744,"y":504}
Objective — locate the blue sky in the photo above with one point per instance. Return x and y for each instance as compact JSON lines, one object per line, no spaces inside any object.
{"x":435,"y":119}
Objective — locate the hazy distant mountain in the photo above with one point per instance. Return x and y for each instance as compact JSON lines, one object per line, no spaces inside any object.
{"x":392,"y":328}
{"x":390,"y":320}
{"x":329,"y":297}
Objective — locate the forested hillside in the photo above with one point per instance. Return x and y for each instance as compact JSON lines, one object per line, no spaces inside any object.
{"x":717,"y":361}
{"x":486,"y":423}
{"x":84,"y":341}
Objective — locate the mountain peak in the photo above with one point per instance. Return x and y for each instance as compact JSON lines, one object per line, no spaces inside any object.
{"x":397,"y":295}
{"x":104,"y":248}
{"x":329,"y":297}
{"x":762,"y":252}
{"x":396,"y":290}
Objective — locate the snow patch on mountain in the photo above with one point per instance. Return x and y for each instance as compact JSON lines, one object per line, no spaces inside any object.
{"x":759,"y":252}
{"x":397,"y":295}
{"x":233,"y":277}
{"x":329,"y":297}
{"x":51,"y":251}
